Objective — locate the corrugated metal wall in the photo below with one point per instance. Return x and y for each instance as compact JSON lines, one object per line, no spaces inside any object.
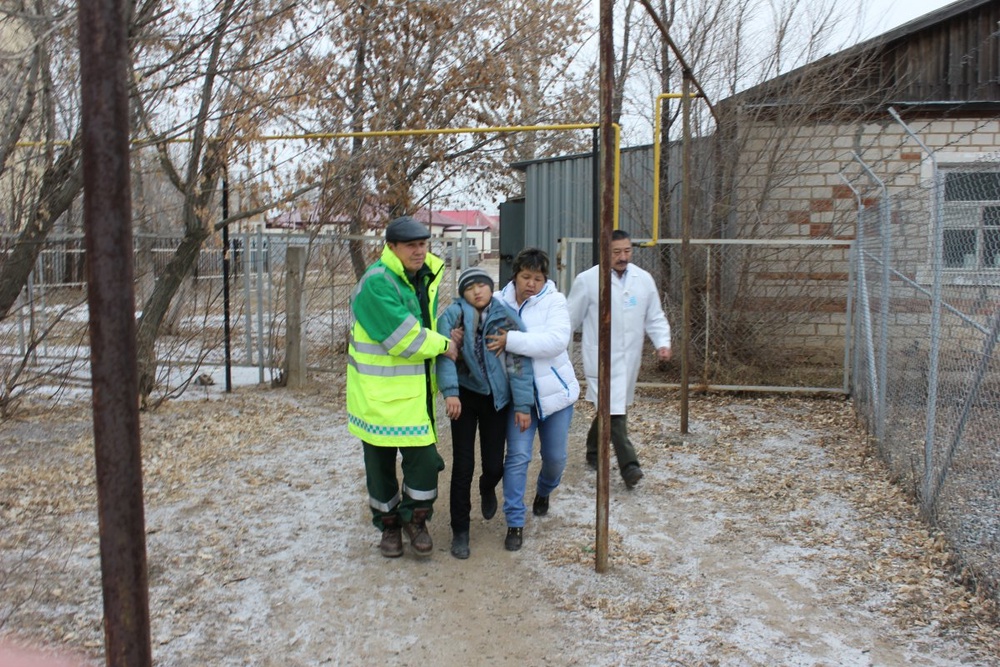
{"x":559,"y":202}
{"x":559,"y":197}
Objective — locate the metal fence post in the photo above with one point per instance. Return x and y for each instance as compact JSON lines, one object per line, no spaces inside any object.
{"x":249,"y":266}
{"x":875,"y":380}
{"x":260,"y":303}
{"x":885,"y":229}
{"x":851,"y":359}
{"x":885,"y":235}
{"x":937,"y":261}
{"x":935,"y":351}
{"x":295,"y":350}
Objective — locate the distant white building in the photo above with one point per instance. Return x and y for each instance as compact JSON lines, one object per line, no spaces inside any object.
{"x":479,"y":228}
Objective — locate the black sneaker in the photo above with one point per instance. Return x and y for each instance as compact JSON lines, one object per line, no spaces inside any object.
{"x":541,"y":506}
{"x":632,"y":475}
{"x":489,"y":504}
{"x":514,"y":539}
{"x":592,"y":463}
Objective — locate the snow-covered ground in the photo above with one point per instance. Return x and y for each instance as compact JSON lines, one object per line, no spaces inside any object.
{"x":768,"y":536}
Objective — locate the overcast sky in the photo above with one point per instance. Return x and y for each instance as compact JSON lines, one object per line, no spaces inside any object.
{"x":891,"y":13}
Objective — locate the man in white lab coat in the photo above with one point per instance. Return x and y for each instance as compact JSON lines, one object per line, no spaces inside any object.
{"x":635,"y":312}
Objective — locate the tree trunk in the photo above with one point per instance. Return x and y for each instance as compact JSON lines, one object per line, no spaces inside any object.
{"x":357,"y":248}
{"x":60,"y":185}
{"x":155,"y":310}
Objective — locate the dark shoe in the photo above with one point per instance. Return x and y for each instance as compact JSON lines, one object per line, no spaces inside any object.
{"x":541,"y":506}
{"x":514,"y":539}
{"x":632,"y":475}
{"x":391,"y":545}
{"x":460,"y":545}
{"x":592,"y":463}
{"x":489,"y":504}
{"x":416,"y":530}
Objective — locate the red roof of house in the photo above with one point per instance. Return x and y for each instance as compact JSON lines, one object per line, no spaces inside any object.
{"x":433,"y":218}
{"x":473,"y":218}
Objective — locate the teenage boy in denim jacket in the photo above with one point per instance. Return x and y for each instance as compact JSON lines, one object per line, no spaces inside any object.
{"x":479,"y":389}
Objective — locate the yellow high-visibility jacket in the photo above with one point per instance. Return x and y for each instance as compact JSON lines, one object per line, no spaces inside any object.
{"x":390,"y":374}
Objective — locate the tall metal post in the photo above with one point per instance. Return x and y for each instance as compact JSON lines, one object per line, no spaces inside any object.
{"x":686,"y":250}
{"x":227,"y":331}
{"x":596,"y":214}
{"x":107,"y":215}
{"x":607,"y":81}
{"x":937,"y":264}
{"x":885,"y":234}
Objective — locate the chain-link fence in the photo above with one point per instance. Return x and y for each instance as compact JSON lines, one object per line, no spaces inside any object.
{"x":909,"y":327}
{"x":764,"y":314}
{"x":43,"y":343}
{"x":926,"y":379}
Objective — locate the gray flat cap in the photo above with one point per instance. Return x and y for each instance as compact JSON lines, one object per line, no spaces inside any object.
{"x":405,"y":229}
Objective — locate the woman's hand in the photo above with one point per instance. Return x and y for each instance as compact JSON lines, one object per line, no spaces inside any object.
{"x":523,"y":420}
{"x":497,"y":343}
{"x":453,"y":407}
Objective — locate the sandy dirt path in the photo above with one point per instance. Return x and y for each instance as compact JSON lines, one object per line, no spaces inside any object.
{"x":769,"y":536}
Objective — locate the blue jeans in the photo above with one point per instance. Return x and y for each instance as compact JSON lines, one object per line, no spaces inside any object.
{"x":553,"y":433}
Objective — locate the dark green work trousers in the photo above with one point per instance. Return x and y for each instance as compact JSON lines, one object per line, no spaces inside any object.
{"x":624,"y":451}
{"x":421,"y":466}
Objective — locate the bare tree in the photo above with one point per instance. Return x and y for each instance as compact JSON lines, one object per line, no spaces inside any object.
{"x":229,"y":62}
{"x":436,"y":65}
{"x":206,"y":83}
{"x":39,"y":177}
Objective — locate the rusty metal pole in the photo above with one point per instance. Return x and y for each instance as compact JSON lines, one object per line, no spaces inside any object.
{"x":607,"y":57}
{"x":107,"y":214}
{"x":227,"y":330}
{"x":686,"y":250}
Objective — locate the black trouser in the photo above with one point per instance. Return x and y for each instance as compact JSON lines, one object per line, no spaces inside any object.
{"x":477,"y":410}
{"x":624,"y":451}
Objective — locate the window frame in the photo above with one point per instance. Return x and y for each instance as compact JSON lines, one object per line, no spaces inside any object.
{"x":978,"y":273}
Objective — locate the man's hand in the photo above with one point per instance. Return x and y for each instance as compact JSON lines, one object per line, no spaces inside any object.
{"x":451,"y":352}
{"x":453,"y":407}
{"x":457,"y":336}
{"x":663,"y":353}
{"x":523,"y":420}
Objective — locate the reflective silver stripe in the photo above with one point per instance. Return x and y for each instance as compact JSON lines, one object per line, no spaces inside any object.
{"x":397,"y":336}
{"x":414,"y":346}
{"x":385,"y":507}
{"x":420,"y":495}
{"x":386,"y":371}
{"x":369,"y":348}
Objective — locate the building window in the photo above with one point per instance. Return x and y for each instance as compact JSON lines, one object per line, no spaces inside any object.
{"x":972,"y":220}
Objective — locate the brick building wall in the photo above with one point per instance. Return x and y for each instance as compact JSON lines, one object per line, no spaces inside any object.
{"x":791,"y":184}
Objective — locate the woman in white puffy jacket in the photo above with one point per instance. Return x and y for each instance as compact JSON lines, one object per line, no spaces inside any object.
{"x":547,"y":332}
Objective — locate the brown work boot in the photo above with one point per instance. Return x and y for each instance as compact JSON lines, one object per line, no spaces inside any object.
{"x":391,"y":545}
{"x":416,"y":530}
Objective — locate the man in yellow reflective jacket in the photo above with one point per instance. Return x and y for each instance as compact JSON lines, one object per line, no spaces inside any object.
{"x":391,"y":383}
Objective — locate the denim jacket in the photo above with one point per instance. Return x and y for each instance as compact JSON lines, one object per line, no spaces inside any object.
{"x":509,"y":377}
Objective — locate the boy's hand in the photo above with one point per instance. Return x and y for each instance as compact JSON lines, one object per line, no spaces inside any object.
{"x":453,"y":407}
{"x":523,"y":420}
